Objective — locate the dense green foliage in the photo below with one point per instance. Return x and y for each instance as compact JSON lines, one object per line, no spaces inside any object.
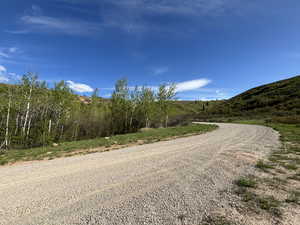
{"x":32,"y":114}
{"x":70,"y":148}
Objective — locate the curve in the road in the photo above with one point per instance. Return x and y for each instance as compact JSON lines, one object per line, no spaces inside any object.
{"x":160,"y":183}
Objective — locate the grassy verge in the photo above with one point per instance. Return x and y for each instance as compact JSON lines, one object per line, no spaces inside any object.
{"x":102,"y":144}
{"x":277,"y":181}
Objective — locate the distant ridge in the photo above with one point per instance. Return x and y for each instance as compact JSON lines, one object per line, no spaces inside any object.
{"x":282,"y":96}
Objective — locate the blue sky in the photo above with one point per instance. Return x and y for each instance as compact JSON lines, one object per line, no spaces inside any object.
{"x":213,"y":49}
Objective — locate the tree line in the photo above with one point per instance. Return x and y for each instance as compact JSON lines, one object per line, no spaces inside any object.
{"x":32,"y":114}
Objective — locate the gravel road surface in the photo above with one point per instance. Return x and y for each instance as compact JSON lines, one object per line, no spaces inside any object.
{"x":169,"y":182}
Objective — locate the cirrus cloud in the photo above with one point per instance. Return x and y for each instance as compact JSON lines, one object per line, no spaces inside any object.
{"x":3,"y":77}
{"x":79,"y":87}
{"x":2,"y":69}
{"x":130,"y":16}
{"x":63,"y":25}
{"x":8,"y":52}
{"x":160,"y":70}
{"x":191,"y":85}
{"x":13,"y":50}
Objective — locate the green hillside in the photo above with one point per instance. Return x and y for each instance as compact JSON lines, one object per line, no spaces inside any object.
{"x":281,"y":97}
{"x":279,"y":100}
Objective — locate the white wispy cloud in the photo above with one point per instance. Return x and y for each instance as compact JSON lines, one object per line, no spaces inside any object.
{"x":22,"y":31}
{"x":8,"y":52}
{"x":206,"y":94}
{"x":3,"y":77}
{"x":14,"y":77}
{"x":136,"y":16}
{"x":191,"y":85}
{"x":3,"y":54}
{"x":160,"y":70}
{"x":196,"y":7}
{"x":79,"y":87}
{"x":10,"y":55}
{"x":131,"y":16}
{"x":13,"y":50}
{"x":2,"y":69}
{"x":8,"y":77}
{"x":34,"y":20}
{"x":62,"y":25}
{"x":36,"y":10}
{"x":187,"y":7}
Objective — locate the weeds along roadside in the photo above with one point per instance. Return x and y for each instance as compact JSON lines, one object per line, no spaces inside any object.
{"x":271,"y":194}
{"x":275,"y":186}
{"x":103,"y":144}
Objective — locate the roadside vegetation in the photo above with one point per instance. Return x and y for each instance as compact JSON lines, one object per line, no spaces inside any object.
{"x":32,"y":114}
{"x":144,"y":136}
{"x":270,"y":194}
{"x":276,"y":184}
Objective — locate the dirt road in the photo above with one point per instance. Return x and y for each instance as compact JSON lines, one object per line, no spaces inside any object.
{"x":170,"y":182}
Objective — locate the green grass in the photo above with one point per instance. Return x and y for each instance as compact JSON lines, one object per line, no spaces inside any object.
{"x":248,"y":182}
{"x":255,"y":201}
{"x":68,"y":148}
{"x":268,"y":203}
{"x":290,"y":166}
{"x":284,"y":161}
{"x":294,"y":197}
{"x":264,"y":166}
{"x":275,"y":182}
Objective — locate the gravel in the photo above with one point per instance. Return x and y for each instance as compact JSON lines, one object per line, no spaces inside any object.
{"x":169,"y":182}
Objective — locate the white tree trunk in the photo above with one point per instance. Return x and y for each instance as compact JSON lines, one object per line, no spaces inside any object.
{"x":7,"y":122}
{"x":49,"y":128}
{"x":27,"y":111}
{"x":17,"y":124}
{"x":29,"y":125}
{"x":147,"y":122}
{"x":166,"y":120}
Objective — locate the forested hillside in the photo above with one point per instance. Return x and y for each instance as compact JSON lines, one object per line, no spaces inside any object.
{"x":32,"y":114}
